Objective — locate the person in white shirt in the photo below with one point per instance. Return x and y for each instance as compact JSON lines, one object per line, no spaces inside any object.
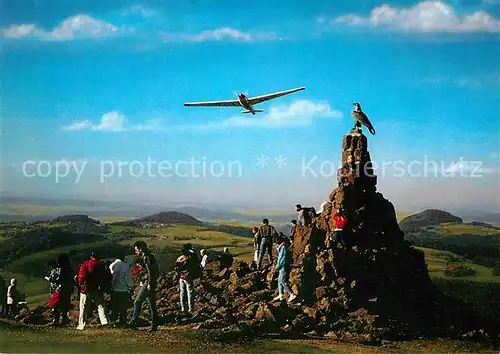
{"x":122,"y":285}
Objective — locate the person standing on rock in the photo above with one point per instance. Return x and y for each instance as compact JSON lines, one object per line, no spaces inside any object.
{"x":266,"y":235}
{"x":256,"y":244}
{"x":283,"y":267}
{"x":292,"y":230}
{"x":306,"y":215}
{"x":147,"y":292}
{"x":184,"y":265}
{"x":340,"y":222}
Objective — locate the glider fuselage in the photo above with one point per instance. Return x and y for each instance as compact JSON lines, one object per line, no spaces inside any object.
{"x":244,"y":103}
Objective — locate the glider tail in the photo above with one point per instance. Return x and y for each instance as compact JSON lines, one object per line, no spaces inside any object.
{"x":255,"y":110}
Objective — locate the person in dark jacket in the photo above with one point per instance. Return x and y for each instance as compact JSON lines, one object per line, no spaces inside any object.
{"x":62,"y":285}
{"x":150,"y":273}
{"x":66,"y":286}
{"x":266,"y":235}
{"x":293,"y":229}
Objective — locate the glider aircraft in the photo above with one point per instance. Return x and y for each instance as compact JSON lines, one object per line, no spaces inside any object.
{"x":244,"y":101}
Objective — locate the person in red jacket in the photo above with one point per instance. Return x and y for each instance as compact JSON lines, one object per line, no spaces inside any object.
{"x":340,"y":222}
{"x":92,"y":278}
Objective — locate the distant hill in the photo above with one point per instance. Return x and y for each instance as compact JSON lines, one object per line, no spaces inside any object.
{"x":165,"y":218}
{"x":427,"y":217}
{"x":75,"y":218}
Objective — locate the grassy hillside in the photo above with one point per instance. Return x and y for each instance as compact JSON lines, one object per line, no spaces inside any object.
{"x":29,"y":339}
{"x":437,"y":260}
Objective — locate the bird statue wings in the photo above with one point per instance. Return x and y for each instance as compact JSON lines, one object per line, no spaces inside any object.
{"x":361,"y":118}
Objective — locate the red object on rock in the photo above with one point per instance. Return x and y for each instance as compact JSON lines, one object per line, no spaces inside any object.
{"x":340,"y":221}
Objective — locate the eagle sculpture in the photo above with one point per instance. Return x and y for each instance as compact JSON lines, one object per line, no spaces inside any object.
{"x":361,"y":118}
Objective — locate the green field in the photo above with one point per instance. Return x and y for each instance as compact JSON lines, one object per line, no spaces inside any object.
{"x":436,"y":261}
{"x":453,"y":229}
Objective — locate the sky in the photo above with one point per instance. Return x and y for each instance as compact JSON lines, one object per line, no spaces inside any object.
{"x":93,"y":93}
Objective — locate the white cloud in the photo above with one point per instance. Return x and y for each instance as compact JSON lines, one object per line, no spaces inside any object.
{"x":425,"y":17}
{"x":79,"y":125}
{"x":298,"y":113}
{"x":224,"y":33}
{"x":114,"y":122}
{"x":139,"y":9}
{"x":111,"y":121}
{"x":79,"y":26}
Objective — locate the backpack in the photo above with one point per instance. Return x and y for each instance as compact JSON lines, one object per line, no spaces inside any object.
{"x":309,"y":214}
{"x":97,"y":278}
{"x":270,"y":231}
{"x":195,"y":269}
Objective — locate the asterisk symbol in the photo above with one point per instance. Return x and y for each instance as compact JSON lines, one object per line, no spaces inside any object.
{"x":280,"y":161}
{"x":261,"y":161}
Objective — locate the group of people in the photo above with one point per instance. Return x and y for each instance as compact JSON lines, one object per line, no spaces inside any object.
{"x":308,"y":215}
{"x":264,"y":238}
{"x":266,"y":235}
{"x":96,"y":278}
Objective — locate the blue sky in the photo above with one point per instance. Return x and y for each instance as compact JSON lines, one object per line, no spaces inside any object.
{"x":94,"y":83}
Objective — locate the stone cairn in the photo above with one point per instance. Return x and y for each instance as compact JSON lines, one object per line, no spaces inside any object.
{"x":375,"y":288}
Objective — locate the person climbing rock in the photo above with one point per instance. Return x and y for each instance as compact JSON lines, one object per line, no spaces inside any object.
{"x":283,"y":268}
{"x":306,"y":215}
{"x":293,"y":229}
{"x":340,"y":222}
